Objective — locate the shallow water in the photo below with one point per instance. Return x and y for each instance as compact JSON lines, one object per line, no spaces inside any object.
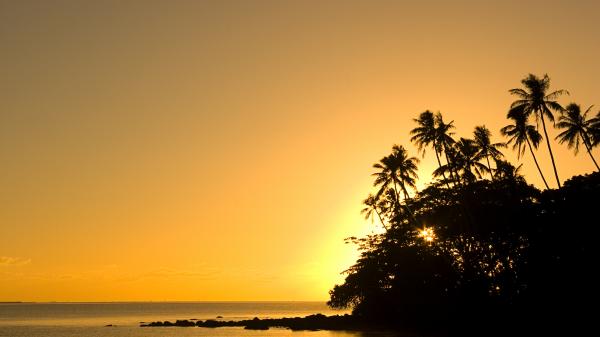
{"x":90,"y":319}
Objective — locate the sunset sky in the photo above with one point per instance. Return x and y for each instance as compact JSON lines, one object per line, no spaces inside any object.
{"x":220,"y":150}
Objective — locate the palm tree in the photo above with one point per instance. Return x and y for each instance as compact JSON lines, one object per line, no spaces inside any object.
{"x":534,"y":100}
{"x":443,"y":137}
{"x":396,"y":170}
{"x":386,"y":177}
{"x":576,"y":127}
{"x":387,"y":203}
{"x":464,"y":158}
{"x":451,"y":165}
{"x":507,"y":171}
{"x":407,"y":169}
{"x":372,"y":208}
{"x":424,"y":135}
{"x":487,"y":149}
{"x":521,"y":133}
{"x":467,"y":159}
{"x":594,"y":128}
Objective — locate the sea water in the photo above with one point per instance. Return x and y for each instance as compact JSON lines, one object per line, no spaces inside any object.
{"x":123,"y":319}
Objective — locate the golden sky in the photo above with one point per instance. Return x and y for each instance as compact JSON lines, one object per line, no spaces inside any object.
{"x":220,"y":150}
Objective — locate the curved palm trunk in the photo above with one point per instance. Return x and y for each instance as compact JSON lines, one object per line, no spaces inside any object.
{"x":398,"y":201}
{"x":487,"y":158}
{"x":550,"y":150}
{"x":379,"y":216}
{"x":594,"y":160}
{"x":589,"y":151}
{"x":443,"y":173}
{"x":407,"y":198}
{"x":536,"y":164}
{"x":468,"y":172}
{"x":453,"y":175}
{"x":437,"y":156}
{"x":396,"y":193}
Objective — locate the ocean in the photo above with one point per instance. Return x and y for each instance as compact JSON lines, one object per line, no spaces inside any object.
{"x":91,"y":319}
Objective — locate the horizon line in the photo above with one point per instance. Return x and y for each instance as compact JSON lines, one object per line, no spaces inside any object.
{"x":162,"y":301}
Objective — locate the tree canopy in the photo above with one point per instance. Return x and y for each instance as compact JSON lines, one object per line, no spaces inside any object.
{"x":479,"y":250}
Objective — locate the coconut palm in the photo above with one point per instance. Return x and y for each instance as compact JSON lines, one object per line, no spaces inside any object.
{"x":521,"y":133}
{"x":487,"y":149}
{"x":507,"y":171}
{"x":371,"y":209}
{"x":407,"y":169}
{"x":424,"y":135}
{"x":387,"y":204}
{"x":533,"y":99}
{"x":464,"y":160}
{"x":443,"y":137}
{"x":576,"y":127}
{"x":451,"y":166}
{"x":467,"y":160}
{"x":396,"y":171}
{"x":594,"y":129}
{"x":386,"y":177}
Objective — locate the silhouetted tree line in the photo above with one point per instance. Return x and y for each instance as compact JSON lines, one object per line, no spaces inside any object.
{"x":479,"y":250}
{"x":311,"y":322}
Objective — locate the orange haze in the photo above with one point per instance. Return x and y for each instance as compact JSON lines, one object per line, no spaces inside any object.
{"x":220,"y":150}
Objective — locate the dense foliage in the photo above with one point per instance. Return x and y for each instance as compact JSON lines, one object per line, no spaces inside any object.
{"x":479,"y":250}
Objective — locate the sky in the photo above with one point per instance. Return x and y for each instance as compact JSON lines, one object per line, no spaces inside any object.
{"x":220,"y":150}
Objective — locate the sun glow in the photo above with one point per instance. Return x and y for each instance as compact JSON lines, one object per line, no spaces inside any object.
{"x":427,"y":234}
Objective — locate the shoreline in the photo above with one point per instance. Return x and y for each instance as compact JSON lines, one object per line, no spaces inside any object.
{"x":310,"y":322}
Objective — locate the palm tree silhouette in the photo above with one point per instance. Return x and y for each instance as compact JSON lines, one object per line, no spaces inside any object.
{"x":443,"y":137}
{"x":451,"y":165}
{"x":407,"y":168}
{"x":594,"y":129}
{"x":464,"y":161}
{"x":387,"y":203}
{"x":487,"y":149}
{"x":396,"y":170}
{"x":534,"y":100}
{"x":372,"y":208}
{"x":424,"y":134}
{"x":386,"y":177}
{"x":507,"y":171}
{"x":467,"y":160}
{"x":576,"y":127}
{"x":521,"y":133}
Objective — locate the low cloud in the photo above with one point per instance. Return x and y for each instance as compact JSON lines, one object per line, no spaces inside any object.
{"x":13,"y":261}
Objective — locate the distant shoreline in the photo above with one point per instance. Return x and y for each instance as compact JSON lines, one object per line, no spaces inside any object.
{"x":311,"y":322}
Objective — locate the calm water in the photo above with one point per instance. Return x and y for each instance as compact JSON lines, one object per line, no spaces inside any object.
{"x":90,"y":319}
